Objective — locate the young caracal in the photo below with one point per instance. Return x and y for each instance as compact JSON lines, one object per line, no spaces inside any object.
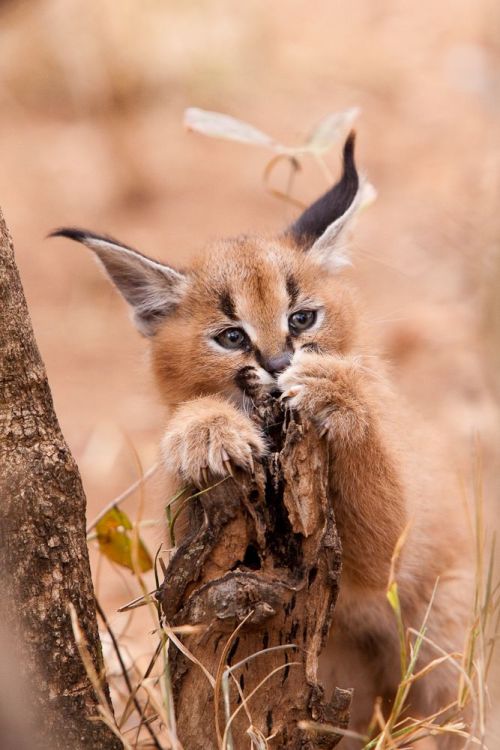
{"x":276,"y":310}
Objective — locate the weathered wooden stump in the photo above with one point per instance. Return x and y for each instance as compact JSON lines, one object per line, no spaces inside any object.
{"x":262,"y":551}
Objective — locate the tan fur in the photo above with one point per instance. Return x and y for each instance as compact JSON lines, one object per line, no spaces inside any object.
{"x":381,"y":478}
{"x":375,"y":489}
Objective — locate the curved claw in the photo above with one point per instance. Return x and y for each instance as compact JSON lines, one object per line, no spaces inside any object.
{"x":204,"y":474}
{"x":228,"y":467}
{"x":293,"y":391}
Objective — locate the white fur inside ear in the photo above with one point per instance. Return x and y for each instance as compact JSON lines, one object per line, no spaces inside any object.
{"x":151,"y":288}
{"x":330,"y":249}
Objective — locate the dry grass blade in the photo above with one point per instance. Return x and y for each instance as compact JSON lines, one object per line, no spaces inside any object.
{"x":235,"y":713}
{"x":132,"y":691}
{"x":139,"y":601}
{"x":182,"y":629}
{"x":156,"y":615}
{"x":259,"y":742}
{"x":106,"y":714}
{"x":431,"y":666}
{"x":229,"y":672}
{"x":408,"y":663}
{"x":385,"y":739}
{"x":450,"y":656}
{"x":242,"y":699}
{"x":123,"y":496}
{"x":187,"y":653}
{"x":150,"y":687}
{"x":313,"y":726}
{"x":172,"y":517}
{"x":397,"y":552}
{"x":140,"y":680}
{"x":220,"y":672}
{"x":262,"y":652}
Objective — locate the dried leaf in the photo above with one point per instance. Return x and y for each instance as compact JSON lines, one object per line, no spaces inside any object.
{"x":217,"y":125}
{"x":115,"y":541}
{"x":329,"y":130}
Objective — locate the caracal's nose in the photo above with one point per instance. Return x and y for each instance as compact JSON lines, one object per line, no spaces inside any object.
{"x":275,"y":365}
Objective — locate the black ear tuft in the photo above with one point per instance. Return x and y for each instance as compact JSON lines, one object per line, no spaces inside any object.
{"x":86,"y":237}
{"x":71,"y":232}
{"x":333,"y":204}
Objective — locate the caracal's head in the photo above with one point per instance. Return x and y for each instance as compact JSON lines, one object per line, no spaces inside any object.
{"x":238,"y":312}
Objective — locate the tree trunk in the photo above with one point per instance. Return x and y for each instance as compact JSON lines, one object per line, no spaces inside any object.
{"x":262,"y":553}
{"x":43,"y":551}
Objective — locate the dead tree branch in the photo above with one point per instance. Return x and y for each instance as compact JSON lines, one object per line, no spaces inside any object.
{"x":265,"y":549}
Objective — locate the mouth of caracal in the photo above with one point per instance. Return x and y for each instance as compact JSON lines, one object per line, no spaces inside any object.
{"x":254,"y":379}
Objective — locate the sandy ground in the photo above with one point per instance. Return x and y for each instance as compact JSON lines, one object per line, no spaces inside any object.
{"x":92,"y":96}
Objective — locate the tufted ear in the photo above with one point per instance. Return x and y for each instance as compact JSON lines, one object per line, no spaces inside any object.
{"x":150,"y":288}
{"x":320,"y":228}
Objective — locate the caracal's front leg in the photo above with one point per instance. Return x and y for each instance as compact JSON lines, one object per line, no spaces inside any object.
{"x":206,"y":437}
{"x":341,"y":395}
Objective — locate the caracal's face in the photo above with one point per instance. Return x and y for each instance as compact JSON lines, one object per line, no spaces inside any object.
{"x":247,"y":306}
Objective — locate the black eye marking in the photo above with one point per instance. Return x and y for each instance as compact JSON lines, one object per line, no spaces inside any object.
{"x":293,"y":290}
{"x":226,"y":305}
{"x":233,"y":338}
{"x":301,"y":320}
{"x":312,"y":346}
{"x":258,"y":356}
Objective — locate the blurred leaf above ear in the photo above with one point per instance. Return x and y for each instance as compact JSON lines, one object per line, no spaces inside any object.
{"x":217,"y":125}
{"x":321,"y":139}
{"x":329,"y":130}
{"x":116,"y":543}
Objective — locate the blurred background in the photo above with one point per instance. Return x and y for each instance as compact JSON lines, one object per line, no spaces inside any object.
{"x":92,"y":95}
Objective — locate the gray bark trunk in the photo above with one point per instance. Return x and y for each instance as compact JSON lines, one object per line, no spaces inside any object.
{"x":43,"y":552}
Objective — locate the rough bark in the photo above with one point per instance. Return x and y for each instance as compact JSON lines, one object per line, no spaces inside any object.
{"x":263,"y":548}
{"x":43,"y":552}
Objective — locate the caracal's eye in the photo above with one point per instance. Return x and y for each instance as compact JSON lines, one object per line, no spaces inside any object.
{"x":301,"y":320}
{"x":232,"y":338}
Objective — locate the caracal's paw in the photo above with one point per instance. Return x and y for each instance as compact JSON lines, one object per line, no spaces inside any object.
{"x":329,"y":390}
{"x":207,"y":438}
